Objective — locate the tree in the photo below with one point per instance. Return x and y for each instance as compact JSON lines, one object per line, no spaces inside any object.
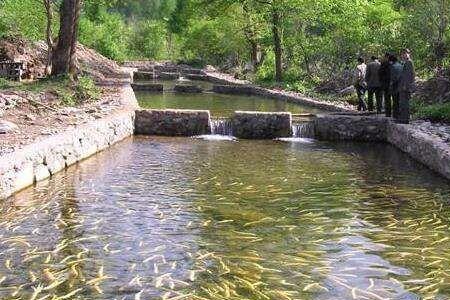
{"x":63,"y":58}
{"x":49,"y":35}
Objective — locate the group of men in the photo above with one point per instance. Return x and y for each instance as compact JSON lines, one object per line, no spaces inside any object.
{"x":391,"y":81}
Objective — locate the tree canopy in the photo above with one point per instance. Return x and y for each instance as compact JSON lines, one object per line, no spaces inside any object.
{"x":278,"y":39}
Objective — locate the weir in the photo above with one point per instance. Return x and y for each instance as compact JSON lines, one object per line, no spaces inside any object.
{"x":221,"y":126}
{"x":303,"y":130}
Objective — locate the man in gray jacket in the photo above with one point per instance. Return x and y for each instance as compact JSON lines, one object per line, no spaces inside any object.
{"x":374,"y":84}
{"x":407,"y":85}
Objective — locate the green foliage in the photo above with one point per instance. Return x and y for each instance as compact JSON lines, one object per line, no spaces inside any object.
{"x":69,"y":92}
{"x":206,"y":41}
{"x":16,"y":19}
{"x":149,"y":40}
{"x":6,"y":84}
{"x":85,"y":90}
{"x":107,"y":33}
{"x":434,"y":113}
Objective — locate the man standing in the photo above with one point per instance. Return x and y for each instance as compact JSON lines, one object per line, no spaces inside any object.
{"x":394,"y":86}
{"x":385,"y":80}
{"x":406,"y":87}
{"x":360,"y":83}
{"x":373,"y":84}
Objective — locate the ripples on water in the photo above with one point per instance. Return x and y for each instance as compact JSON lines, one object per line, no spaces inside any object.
{"x":192,"y":219}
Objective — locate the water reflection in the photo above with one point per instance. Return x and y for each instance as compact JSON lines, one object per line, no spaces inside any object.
{"x":219,"y":105}
{"x":157,"y":218}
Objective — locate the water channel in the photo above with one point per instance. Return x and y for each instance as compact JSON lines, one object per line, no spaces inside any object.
{"x":219,"y":105}
{"x":180,"y":218}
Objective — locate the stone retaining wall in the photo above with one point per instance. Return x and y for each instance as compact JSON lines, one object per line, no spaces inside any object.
{"x":423,"y":147}
{"x":184,"y":88}
{"x":259,"y":125}
{"x":350,"y":128}
{"x":148,"y":87}
{"x":430,"y":151}
{"x":172,"y":122}
{"x":52,"y":154}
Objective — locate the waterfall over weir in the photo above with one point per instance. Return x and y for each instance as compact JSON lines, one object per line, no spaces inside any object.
{"x":221,"y":130}
{"x":221,"y":127}
{"x":303,"y":130}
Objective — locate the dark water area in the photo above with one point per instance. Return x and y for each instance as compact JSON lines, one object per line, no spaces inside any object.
{"x":219,"y":105}
{"x":179,"y":218}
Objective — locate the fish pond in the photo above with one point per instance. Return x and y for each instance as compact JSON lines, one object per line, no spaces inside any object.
{"x":181,"y":218}
{"x":220,"y":105}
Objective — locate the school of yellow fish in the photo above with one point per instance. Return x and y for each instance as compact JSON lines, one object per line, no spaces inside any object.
{"x":232,"y":241}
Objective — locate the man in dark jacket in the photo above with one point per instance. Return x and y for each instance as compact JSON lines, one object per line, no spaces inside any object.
{"x":385,"y":81}
{"x":407,"y":85}
{"x":374,"y":84}
{"x":396,"y":73}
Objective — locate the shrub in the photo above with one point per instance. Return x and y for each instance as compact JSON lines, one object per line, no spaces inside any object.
{"x":86,"y":90}
{"x":149,"y":40}
{"x":16,"y":19}
{"x":108,"y":34}
{"x":434,"y":113}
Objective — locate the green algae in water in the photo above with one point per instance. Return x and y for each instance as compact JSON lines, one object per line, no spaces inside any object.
{"x":157,"y":218}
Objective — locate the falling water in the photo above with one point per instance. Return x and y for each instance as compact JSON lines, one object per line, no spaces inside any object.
{"x":303,"y":130}
{"x":221,"y":127}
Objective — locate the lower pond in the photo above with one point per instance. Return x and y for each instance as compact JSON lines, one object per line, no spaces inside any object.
{"x":179,"y":218}
{"x":219,"y":105}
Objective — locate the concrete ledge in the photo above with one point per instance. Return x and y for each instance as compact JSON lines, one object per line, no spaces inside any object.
{"x":350,"y":128}
{"x":259,"y":125}
{"x":148,"y":87}
{"x":172,"y":122}
{"x":43,"y":158}
{"x":430,"y":151}
{"x":191,"y":89}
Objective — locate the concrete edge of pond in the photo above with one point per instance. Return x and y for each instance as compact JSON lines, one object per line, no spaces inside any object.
{"x":430,"y":151}
{"x":47,"y":156}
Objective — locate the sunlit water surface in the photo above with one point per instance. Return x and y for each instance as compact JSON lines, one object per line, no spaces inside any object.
{"x":167,"y":218}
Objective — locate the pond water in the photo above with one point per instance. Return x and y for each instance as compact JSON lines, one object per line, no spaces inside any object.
{"x":219,"y":105}
{"x":178,"y":218}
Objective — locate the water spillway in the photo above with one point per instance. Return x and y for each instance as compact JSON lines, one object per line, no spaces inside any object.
{"x":221,"y":126}
{"x":303,"y":130}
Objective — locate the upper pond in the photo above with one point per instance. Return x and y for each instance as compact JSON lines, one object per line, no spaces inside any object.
{"x":219,"y":105}
{"x":179,"y":218}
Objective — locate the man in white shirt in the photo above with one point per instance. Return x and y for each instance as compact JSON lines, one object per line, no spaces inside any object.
{"x":360,"y":83}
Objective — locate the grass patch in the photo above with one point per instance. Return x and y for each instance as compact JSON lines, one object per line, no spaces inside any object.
{"x":434,"y":112}
{"x":70,"y":93}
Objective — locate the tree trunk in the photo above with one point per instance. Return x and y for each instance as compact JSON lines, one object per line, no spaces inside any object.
{"x":276,"y":20}
{"x":63,"y":58}
{"x":49,"y":37}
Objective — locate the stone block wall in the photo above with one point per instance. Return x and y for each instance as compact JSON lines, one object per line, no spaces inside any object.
{"x":148,"y":87}
{"x":350,"y":128}
{"x":41,"y":159}
{"x":429,"y":150}
{"x":259,"y":125}
{"x":172,"y":122}
{"x":184,"y":88}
